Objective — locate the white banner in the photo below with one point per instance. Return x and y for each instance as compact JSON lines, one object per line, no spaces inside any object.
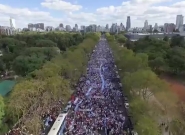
{"x":85,"y":110}
{"x":102,"y":97}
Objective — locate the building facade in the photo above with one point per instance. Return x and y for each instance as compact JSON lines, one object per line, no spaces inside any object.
{"x":169,"y":27}
{"x":12,"y":23}
{"x":37,"y":26}
{"x":179,"y":21}
{"x":128,"y":24}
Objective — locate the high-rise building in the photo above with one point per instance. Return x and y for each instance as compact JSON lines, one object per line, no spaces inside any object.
{"x":4,"y":30}
{"x":82,"y":27}
{"x":121,"y":28}
{"x":68,"y":28}
{"x":30,"y":26}
{"x":12,"y":23}
{"x":128,"y":24}
{"x":61,"y":25}
{"x":121,"y":24}
{"x":169,"y":27}
{"x":37,"y":26}
{"x":179,"y":21}
{"x":76,"y":27}
{"x":107,"y":26}
{"x":150,"y":28}
{"x":113,"y":28}
{"x":156,"y":26}
{"x":146,"y":25}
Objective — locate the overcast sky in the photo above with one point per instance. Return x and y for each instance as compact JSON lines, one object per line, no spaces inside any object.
{"x":85,"y":12}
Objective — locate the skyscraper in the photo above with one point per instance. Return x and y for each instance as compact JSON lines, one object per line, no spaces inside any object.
{"x":155,"y":26}
{"x":128,"y":24}
{"x":61,"y":25}
{"x":169,"y":27}
{"x":12,"y":23}
{"x":107,"y":26}
{"x":179,"y":21}
{"x":146,"y":25}
{"x":68,"y":28}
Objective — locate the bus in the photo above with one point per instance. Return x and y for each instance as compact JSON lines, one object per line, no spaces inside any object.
{"x":59,"y":125}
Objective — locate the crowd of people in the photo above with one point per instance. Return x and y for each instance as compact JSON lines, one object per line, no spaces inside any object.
{"x":99,"y":109}
{"x":47,"y":115}
{"x":99,"y":106}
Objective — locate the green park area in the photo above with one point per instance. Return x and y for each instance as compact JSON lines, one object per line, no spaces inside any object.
{"x":48,"y":67}
{"x":154,"y":108}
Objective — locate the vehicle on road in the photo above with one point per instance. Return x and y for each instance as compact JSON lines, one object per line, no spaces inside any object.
{"x":59,"y":125}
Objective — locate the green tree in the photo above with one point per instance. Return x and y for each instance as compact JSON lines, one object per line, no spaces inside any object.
{"x":44,"y":43}
{"x":2,"y":109}
{"x":176,"y":59}
{"x":143,"y":83}
{"x":26,"y":64}
{"x":177,"y":41}
{"x":166,"y":38}
{"x":158,"y":64}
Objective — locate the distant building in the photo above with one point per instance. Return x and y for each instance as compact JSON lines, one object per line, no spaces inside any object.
{"x":113,"y":28}
{"x":12,"y":23}
{"x":150,"y":28}
{"x":179,"y":21}
{"x":5,"y":30}
{"x":35,"y":27}
{"x":68,"y":28}
{"x":122,"y":27}
{"x":169,"y":27}
{"x":39,"y":26}
{"x":76,"y":27}
{"x":107,"y":26}
{"x":146,"y":27}
{"x":156,"y":26}
{"x":128,"y":23}
{"x":30,"y":26}
{"x":82,"y":27}
{"x":61,"y":25}
{"x":49,"y":28}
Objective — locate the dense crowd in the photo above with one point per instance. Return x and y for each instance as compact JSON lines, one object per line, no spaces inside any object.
{"x":99,"y":108}
{"x":47,"y":115}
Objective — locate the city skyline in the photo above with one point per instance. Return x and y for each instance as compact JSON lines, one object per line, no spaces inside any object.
{"x":81,"y":12}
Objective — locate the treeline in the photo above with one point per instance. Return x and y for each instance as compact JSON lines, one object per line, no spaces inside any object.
{"x":23,"y":53}
{"x":43,"y":87}
{"x":165,"y":56}
{"x":153,"y":108}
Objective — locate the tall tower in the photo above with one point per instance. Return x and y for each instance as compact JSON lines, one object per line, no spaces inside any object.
{"x":156,"y":26}
{"x":128,"y":24}
{"x":107,"y":26}
{"x":12,"y":23}
{"x":179,"y":21}
{"x":146,"y":25}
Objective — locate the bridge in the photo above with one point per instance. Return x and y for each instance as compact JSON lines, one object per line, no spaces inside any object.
{"x":137,"y":36}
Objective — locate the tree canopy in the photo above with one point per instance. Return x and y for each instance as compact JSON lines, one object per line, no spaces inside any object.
{"x":2,"y":109}
{"x":50,"y":76}
{"x":151,"y":101}
{"x":24,"y":53}
{"x":166,"y":56}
